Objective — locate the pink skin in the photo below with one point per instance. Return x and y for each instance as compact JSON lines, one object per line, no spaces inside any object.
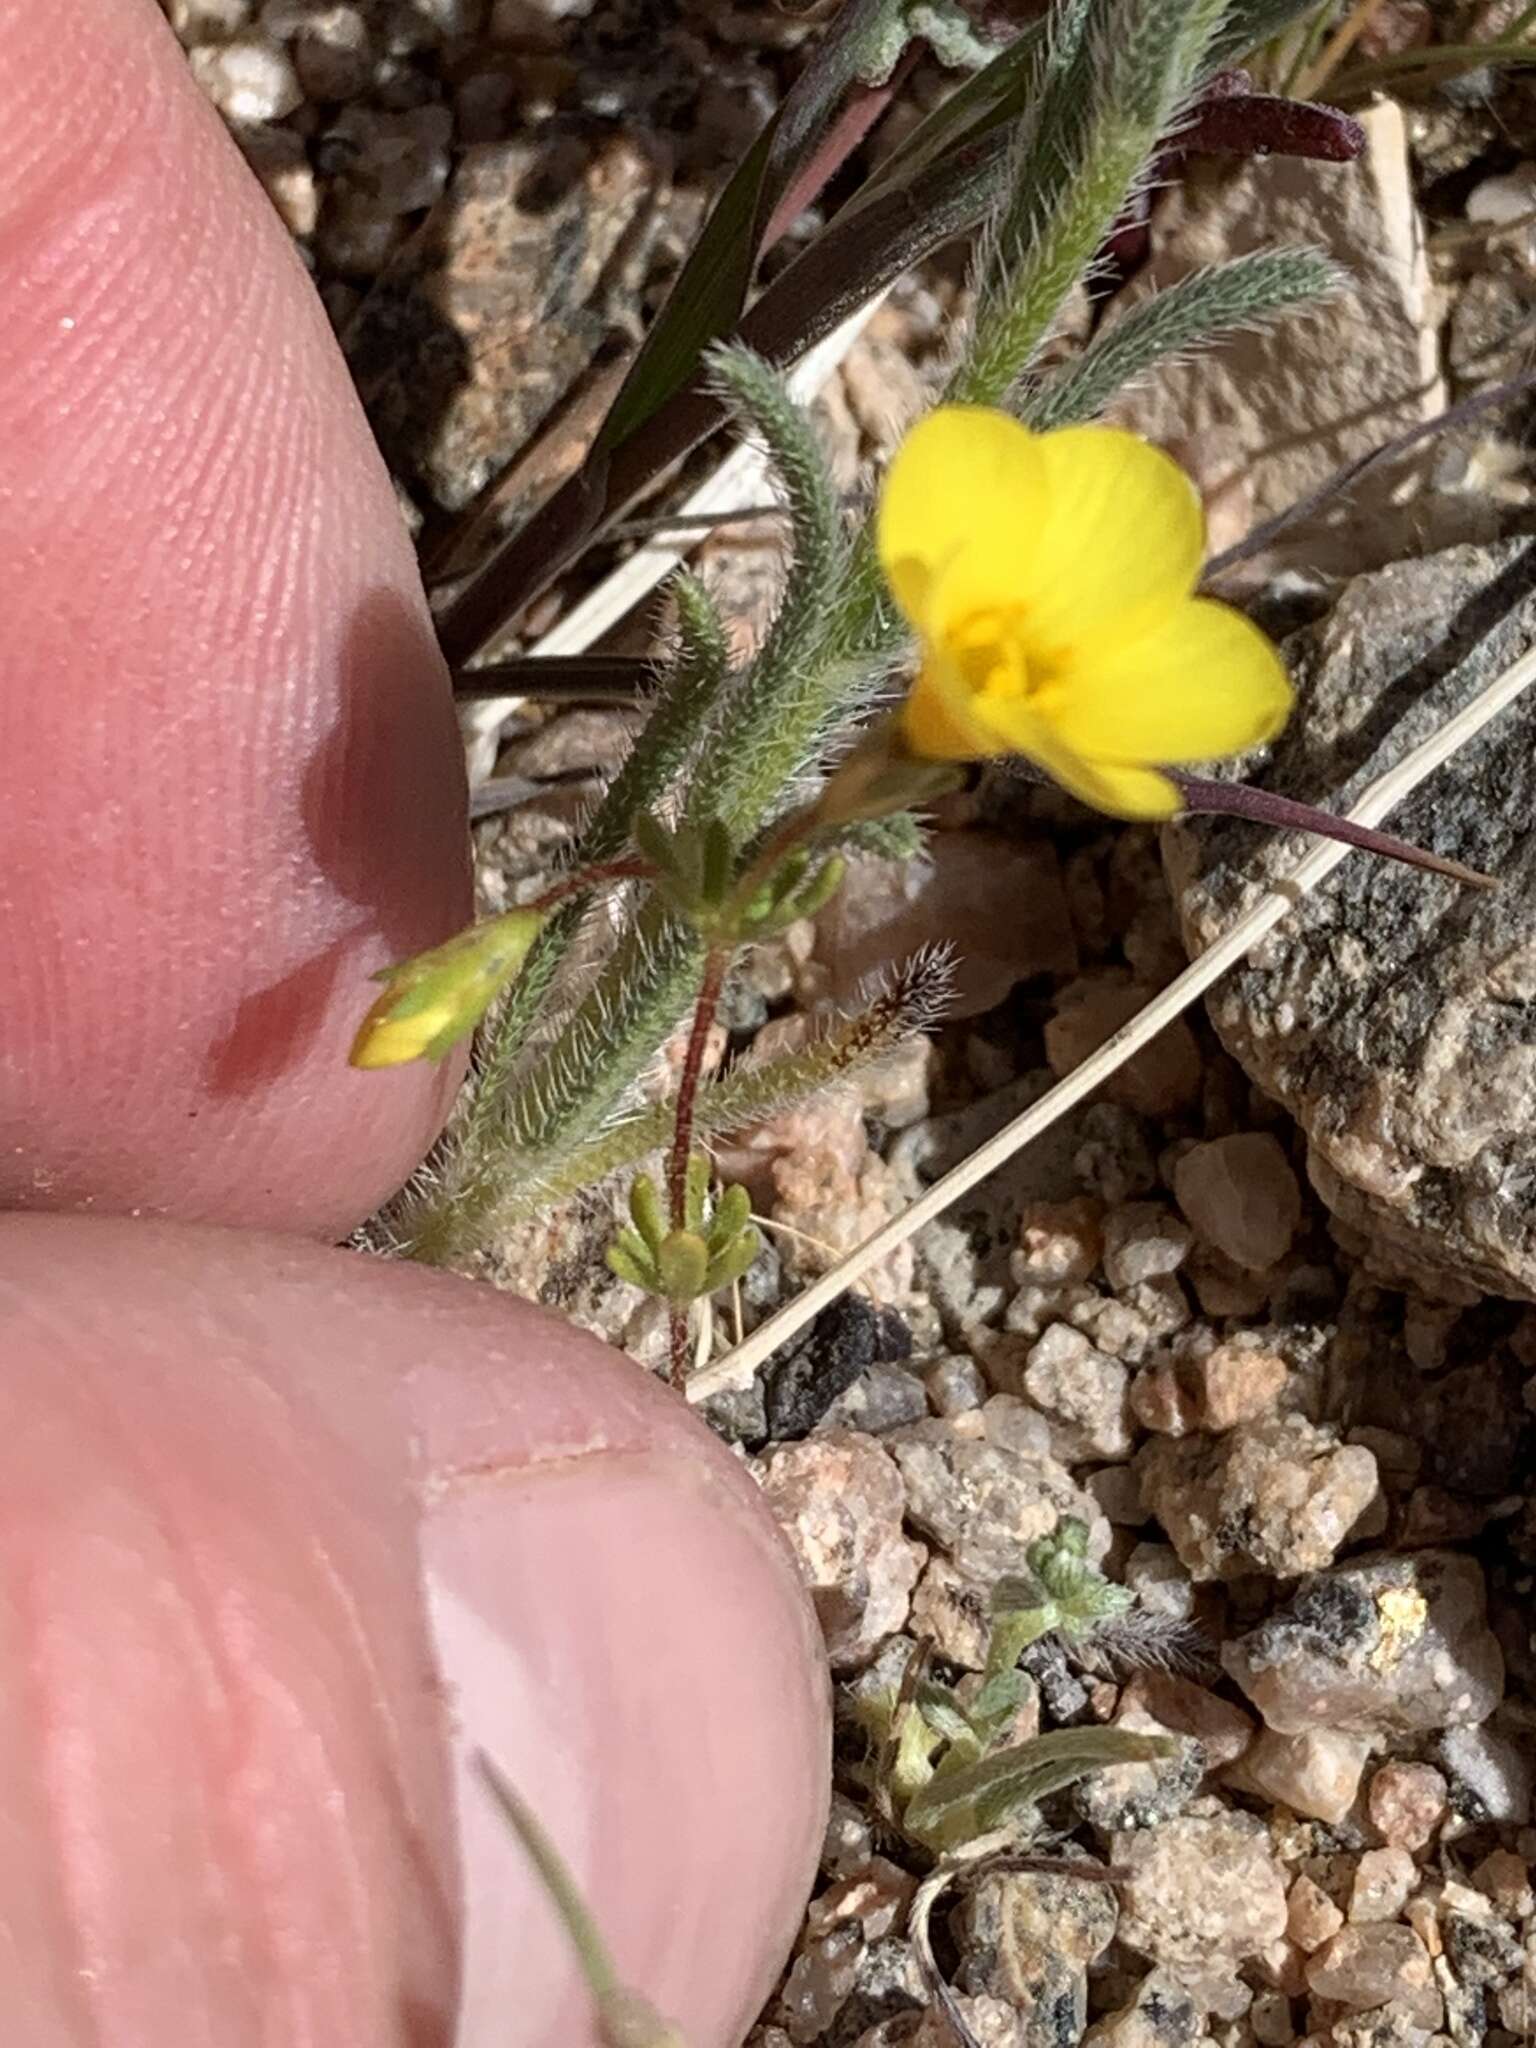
{"x":224,"y":1462}
{"x":232,"y":783}
{"x":284,"y":1533}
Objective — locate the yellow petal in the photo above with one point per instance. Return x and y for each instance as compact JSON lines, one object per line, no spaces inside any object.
{"x":1122,"y":791}
{"x":939,"y":719}
{"x":966,"y":480}
{"x":1204,"y":683}
{"x":1122,"y":544}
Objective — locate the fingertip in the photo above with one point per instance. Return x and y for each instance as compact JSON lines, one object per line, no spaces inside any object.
{"x":230,"y":779}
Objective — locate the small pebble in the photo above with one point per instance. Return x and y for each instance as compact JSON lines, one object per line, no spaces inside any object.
{"x":248,"y":79}
{"x":838,"y":1499}
{"x":954,"y":1383}
{"x":849,"y":1841}
{"x":1311,"y":1916}
{"x":984,"y":1504}
{"x":1222,"y":1730}
{"x":1316,"y":1773}
{"x":1143,"y":1241}
{"x":1242,"y":1197}
{"x":208,"y":21}
{"x":819,"y":1981}
{"x":1162,"y":2015}
{"x":1383,"y":1880}
{"x":1270,"y":2018}
{"x":1161,"y":1584}
{"x":950,"y":1612}
{"x":1160,"y":1080}
{"x":1506,"y":1879}
{"x":398,"y":162}
{"x":1492,"y":1775}
{"x":1118,"y":1493}
{"x":1210,"y":1391}
{"x":1406,"y":1803}
{"x":1082,"y":1392}
{"x":1059,"y":1242}
{"x":1388,"y":1643}
{"x":1200,"y":1891}
{"x":333,"y":55}
{"x":1277,"y":1496}
{"x":1371,"y":1966}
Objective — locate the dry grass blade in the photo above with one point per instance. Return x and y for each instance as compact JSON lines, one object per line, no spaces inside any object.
{"x":737,"y":1367}
{"x":1337,"y":48}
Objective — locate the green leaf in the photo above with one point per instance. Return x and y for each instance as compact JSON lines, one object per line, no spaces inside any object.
{"x":731,"y":1263}
{"x":682,"y":1264}
{"x":646,"y":1210}
{"x":959,"y":1806}
{"x":631,"y":1261}
{"x":1193,"y":314}
{"x":732,"y":1214}
{"x":695,"y":1190}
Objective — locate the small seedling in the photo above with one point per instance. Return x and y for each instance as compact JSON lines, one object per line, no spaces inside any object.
{"x":714,"y":1245}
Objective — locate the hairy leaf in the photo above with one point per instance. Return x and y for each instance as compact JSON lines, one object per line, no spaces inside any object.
{"x":959,"y":1806}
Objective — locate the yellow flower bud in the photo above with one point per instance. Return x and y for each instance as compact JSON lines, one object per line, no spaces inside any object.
{"x":436,"y":998}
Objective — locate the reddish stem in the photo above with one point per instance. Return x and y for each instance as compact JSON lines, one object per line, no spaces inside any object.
{"x":588,"y":878}
{"x":682,"y":1132}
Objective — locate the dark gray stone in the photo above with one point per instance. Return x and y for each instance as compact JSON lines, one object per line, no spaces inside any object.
{"x":1393,"y":1013}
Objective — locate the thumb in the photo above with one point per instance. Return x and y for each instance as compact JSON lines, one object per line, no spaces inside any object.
{"x":230,"y":783}
{"x":286,"y":1537}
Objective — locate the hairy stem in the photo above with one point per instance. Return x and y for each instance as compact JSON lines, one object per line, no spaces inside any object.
{"x":708,"y":1001}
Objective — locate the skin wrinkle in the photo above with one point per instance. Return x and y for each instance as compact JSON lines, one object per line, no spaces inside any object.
{"x":70,"y":1983}
{"x":408,"y":1371}
{"x":248,"y":1675}
{"x":46,"y":1620}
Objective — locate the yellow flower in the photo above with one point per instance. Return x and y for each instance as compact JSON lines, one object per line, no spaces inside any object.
{"x":1050,"y":579}
{"x":436,"y":998}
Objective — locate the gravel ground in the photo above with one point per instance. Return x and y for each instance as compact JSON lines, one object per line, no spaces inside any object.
{"x":1313,"y":1481}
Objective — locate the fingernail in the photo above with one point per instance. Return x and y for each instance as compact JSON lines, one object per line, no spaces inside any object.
{"x":622,"y":1634}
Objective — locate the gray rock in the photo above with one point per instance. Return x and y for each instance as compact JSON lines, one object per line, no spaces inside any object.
{"x":1162,"y":2015}
{"x":838,"y":1499}
{"x":820,"y":1980}
{"x":1492,"y":1776}
{"x":1123,"y":1797}
{"x":1377,"y":1965}
{"x":1277,"y":1496}
{"x":880,"y":1399}
{"x":984,"y":1504}
{"x":1201,"y":1892}
{"x":887,"y":1986}
{"x":1385,"y":1644}
{"x":487,"y":316}
{"x":1274,"y":412}
{"x":1395,"y":1015}
{"x":1029,"y":1938}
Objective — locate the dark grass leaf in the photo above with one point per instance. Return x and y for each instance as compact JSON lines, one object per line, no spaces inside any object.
{"x":1263,"y":124}
{"x":863,"y":249}
{"x":711,"y":290}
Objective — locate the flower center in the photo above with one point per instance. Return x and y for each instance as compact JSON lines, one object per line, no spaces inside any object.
{"x":989,"y":649}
